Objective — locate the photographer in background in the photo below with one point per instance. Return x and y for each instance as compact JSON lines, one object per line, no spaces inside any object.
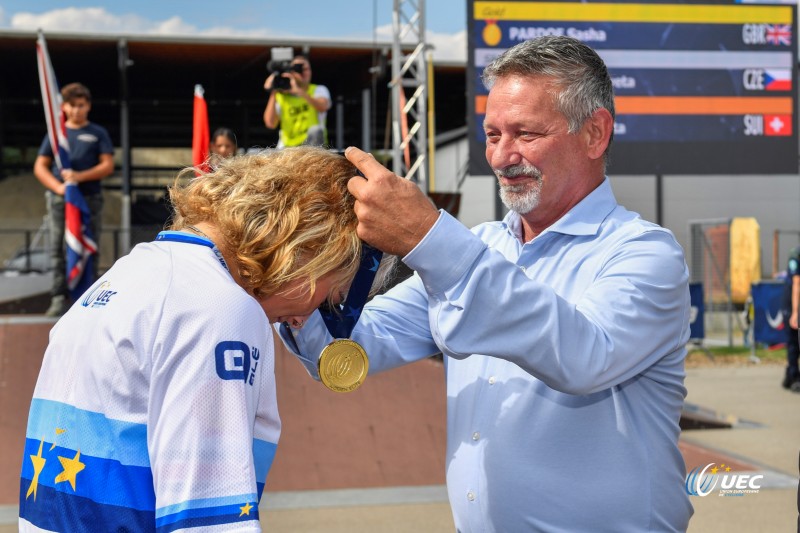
{"x":295,"y":104}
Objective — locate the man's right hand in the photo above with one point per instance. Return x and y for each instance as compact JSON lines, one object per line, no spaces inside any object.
{"x":393,"y":213}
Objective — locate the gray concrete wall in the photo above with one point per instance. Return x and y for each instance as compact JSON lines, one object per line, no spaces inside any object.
{"x":774,"y":201}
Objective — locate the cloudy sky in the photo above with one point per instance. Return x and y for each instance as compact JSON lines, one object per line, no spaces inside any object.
{"x":362,"y":20}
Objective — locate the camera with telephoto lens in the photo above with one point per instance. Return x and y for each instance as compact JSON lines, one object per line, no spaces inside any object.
{"x":281,"y":67}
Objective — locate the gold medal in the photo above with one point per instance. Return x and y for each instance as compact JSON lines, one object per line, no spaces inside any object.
{"x":343,"y":365}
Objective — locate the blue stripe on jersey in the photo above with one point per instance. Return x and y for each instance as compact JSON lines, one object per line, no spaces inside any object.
{"x":113,"y":475}
{"x":237,"y":516}
{"x":104,"y":481}
{"x":263,"y":455}
{"x":204,"y":506}
{"x":245,"y":508}
{"x":54,"y":510}
{"x":92,"y":433}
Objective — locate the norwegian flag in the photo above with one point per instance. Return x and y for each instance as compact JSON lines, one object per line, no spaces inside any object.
{"x":81,"y":246}
{"x":779,"y":34}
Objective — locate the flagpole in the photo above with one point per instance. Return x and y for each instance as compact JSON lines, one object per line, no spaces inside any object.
{"x":124,"y":131}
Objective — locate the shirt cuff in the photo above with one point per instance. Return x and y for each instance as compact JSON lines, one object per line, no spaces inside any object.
{"x":445,"y":254}
{"x":308,"y":340}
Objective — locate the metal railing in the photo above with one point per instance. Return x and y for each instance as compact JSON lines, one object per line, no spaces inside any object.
{"x":29,"y":250}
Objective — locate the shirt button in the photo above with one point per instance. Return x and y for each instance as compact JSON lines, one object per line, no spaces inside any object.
{"x":471,"y":496}
{"x":492,"y":380}
{"x":476,"y":435}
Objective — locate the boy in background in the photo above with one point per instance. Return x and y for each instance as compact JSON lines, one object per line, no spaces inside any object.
{"x":92,"y":159}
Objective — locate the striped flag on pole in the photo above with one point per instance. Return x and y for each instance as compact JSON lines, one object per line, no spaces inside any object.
{"x":51,"y":98}
{"x":200,"y":135}
{"x":81,"y":246}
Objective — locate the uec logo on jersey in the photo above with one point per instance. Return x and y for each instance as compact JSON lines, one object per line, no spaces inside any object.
{"x":236,"y":360}
{"x":100,"y":296}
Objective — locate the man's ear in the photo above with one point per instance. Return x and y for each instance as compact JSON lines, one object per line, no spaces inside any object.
{"x":598,"y":129}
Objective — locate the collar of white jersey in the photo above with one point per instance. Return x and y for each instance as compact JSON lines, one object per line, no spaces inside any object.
{"x":190,"y":238}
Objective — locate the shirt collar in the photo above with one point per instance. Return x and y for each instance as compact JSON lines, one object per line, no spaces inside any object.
{"x":583,"y":219}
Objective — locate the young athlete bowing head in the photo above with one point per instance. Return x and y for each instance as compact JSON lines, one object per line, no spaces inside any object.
{"x":155,"y":405}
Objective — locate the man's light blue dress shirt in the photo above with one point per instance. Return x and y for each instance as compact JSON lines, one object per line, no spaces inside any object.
{"x":564,"y":365}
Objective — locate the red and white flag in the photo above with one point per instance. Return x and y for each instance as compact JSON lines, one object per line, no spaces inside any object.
{"x":778,"y":125}
{"x":81,"y":245}
{"x":51,"y":98}
{"x":200,"y":135}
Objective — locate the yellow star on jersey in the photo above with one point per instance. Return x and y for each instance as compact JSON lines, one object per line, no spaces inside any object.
{"x":38,"y":465}
{"x":59,"y":431}
{"x":71,"y":469}
{"x":246,"y":509}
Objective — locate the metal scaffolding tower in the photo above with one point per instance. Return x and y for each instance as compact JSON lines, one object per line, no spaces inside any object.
{"x":409,"y":115}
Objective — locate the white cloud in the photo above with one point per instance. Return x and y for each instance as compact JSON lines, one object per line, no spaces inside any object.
{"x":447,"y":47}
{"x":99,"y":20}
{"x":2,"y":17}
{"x":96,"y":20}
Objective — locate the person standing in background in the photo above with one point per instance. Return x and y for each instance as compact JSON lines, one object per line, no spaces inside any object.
{"x":299,"y":110}
{"x":223,"y":143}
{"x":92,"y":159}
{"x":791,"y":297}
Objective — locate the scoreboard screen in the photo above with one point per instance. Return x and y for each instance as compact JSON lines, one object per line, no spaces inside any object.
{"x":700,"y":88}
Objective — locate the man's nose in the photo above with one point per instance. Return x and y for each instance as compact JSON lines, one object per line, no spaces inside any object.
{"x":503,"y":153}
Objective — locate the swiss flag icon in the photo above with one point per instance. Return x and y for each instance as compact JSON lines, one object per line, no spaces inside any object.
{"x":778,"y":125}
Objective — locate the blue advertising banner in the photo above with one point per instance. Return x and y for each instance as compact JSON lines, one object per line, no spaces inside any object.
{"x":767,"y":314}
{"x":697,"y":328}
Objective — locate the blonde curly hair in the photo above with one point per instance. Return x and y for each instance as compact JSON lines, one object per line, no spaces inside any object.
{"x":286,"y":215}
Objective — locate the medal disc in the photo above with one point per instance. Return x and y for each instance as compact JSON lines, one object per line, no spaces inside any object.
{"x":343,"y":365}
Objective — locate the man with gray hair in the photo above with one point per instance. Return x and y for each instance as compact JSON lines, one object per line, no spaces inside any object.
{"x":563,"y":326}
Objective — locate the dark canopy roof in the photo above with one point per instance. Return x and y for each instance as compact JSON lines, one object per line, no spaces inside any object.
{"x":164,"y":70}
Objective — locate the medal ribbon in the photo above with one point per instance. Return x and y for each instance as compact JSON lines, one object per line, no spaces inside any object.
{"x":340,"y":320}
